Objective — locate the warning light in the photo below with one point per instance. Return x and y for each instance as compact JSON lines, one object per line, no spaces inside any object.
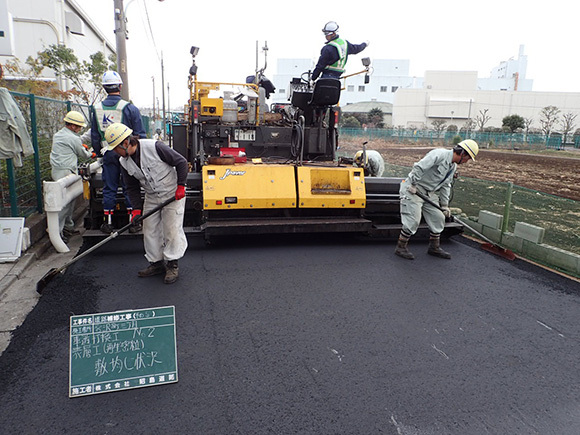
{"x":352,"y":201}
{"x":218,"y":202}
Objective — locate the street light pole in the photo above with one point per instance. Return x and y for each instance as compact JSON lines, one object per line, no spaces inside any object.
{"x":121,"y":37}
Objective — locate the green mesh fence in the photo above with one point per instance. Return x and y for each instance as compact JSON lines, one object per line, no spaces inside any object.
{"x":558,"y":216}
{"x":484,"y":139}
{"x":21,"y":187}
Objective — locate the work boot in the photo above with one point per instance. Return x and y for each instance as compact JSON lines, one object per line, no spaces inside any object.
{"x":153,"y":269}
{"x":172,"y":272}
{"x":402,"y":250}
{"x":107,"y":226}
{"x":69,"y":232}
{"x":435,"y":249}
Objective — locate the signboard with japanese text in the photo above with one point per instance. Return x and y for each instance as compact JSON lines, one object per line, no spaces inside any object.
{"x":122,"y":350}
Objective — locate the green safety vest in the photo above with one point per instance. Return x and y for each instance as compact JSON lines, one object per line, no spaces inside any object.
{"x":342,"y":47}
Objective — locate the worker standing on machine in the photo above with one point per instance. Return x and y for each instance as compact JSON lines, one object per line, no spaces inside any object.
{"x":67,"y":147}
{"x":113,"y":109}
{"x":334,"y":53}
{"x":374,"y":164}
{"x":162,"y":172}
{"x":431,"y":176}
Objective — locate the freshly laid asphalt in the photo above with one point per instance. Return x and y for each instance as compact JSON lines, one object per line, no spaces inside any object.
{"x":314,"y":335}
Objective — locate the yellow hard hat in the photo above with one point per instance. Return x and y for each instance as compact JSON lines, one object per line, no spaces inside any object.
{"x":470,"y":146}
{"x":76,"y":118}
{"x":358,"y":157}
{"x":116,"y":133}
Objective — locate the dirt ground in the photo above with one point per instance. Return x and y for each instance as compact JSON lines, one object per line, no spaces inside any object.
{"x":555,"y":175}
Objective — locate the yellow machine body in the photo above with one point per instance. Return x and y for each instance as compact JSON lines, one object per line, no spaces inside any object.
{"x":264,"y":186}
{"x":248,"y":186}
{"x":212,"y":106}
{"x":331,"y":187}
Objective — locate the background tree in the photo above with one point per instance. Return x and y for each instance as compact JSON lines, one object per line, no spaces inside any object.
{"x":568,"y":122}
{"x":482,"y":118}
{"x":469,"y":124}
{"x":30,"y":80}
{"x":349,"y":121}
{"x":439,"y":126}
{"x":548,"y":117}
{"x":84,"y":76}
{"x":513,"y":122}
{"x":376,"y":118}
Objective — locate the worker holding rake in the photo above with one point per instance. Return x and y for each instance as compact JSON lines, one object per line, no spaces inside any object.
{"x":431,"y":178}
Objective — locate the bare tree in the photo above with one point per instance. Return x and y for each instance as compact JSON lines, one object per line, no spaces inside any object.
{"x":482,"y":118}
{"x":469,"y":125}
{"x":568,"y":122}
{"x":527,"y":125}
{"x":548,"y":118}
{"x":439,"y":126}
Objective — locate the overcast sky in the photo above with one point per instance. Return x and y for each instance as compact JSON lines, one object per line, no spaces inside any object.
{"x":434,"y":35}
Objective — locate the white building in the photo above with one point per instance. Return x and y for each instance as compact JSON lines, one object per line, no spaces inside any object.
{"x":454,"y":96}
{"x":387,"y":75}
{"x":390,"y":75}
{"x":30,"y":26}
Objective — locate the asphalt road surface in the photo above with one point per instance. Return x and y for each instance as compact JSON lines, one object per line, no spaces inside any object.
{"x":314,"y":335}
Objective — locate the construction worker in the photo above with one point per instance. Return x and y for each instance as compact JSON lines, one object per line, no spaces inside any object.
{"x":431,"y":176}
{"x":334,"y":53}
{"x":374,"y":163}
{"x":113,"y":109}
{"x":67,"y":147}
{"x":162,"y":172}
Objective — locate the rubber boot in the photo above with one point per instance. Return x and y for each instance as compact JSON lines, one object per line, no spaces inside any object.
{"x":153,"y":269}
{"x":107,"y":226}
{"x":172,"y":272}
{"x":435,"y":249}
{"x":402,"y":250}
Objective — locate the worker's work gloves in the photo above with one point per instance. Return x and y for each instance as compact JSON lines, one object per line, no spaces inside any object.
{"x":180,"y":192}
{"x":136,"y":221}
{"x":90,"y":150}
{"x":412,"y":189}
{"x":446,"y":211}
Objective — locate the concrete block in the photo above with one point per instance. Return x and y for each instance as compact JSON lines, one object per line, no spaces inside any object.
{"x":567,"y":261}
{"x":512,"y":242}
{"x":491,"y":233}
{"x":26,"y":243}
{"x":534,"y":251}
{"x":475,"y":225}
{"x":489,"y":219}
{"x":529,"y":232}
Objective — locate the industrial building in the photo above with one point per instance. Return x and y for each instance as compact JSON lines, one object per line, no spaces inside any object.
{"x":30,"y":26}
{"x":453,"y":96}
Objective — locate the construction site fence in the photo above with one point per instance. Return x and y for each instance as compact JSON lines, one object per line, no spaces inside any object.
{"x":21,"y":187}
{"x":558,"y":216}
{"x":498,"y":140}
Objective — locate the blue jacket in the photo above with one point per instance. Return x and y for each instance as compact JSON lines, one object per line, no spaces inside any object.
{"x":329,"y":55}
{"x":131,"y":118}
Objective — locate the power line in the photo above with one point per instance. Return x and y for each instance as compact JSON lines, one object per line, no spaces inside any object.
{"x":151,"y":30}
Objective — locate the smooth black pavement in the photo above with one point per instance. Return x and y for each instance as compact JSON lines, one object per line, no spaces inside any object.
{"x":315,"y":335}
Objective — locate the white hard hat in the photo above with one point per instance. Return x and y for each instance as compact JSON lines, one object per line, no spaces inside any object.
{"x":116,"y":133}
{"x":112,"y":78}
{"x":330,"y":27}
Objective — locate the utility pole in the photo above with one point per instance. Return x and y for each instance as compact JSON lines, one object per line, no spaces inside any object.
{"x":163,"y":95}
{"x":121,"y":37}
{"x":153,"y":111}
